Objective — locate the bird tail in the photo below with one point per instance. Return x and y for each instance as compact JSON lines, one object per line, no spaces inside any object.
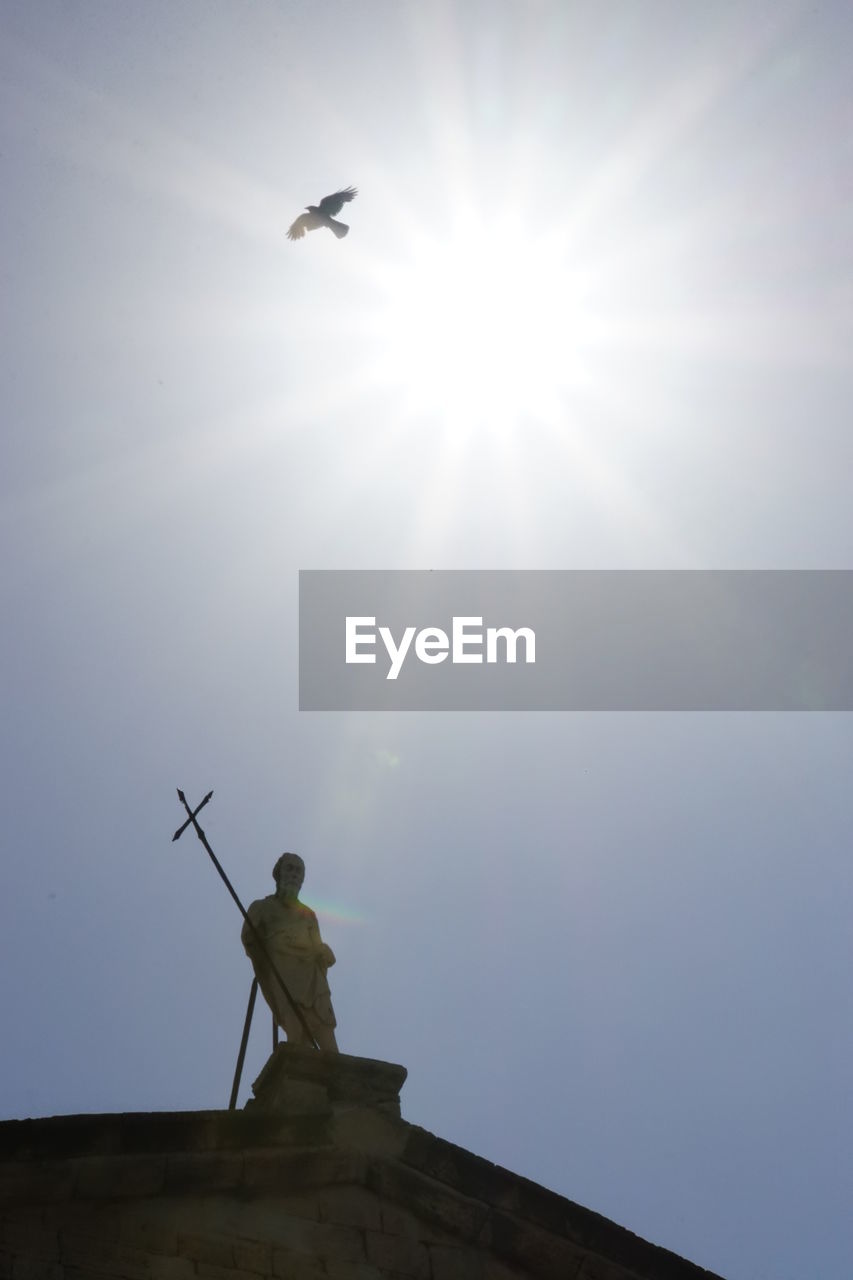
{"x":340,"y":228}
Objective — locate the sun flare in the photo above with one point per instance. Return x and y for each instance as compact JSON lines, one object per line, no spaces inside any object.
{"x":477,"y":328}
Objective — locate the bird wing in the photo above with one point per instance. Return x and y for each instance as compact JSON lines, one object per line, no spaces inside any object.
{"x":297,"y":229}
{"x":330,"y":205}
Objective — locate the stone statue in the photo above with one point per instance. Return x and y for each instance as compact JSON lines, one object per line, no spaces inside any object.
{"x":292,"y":937}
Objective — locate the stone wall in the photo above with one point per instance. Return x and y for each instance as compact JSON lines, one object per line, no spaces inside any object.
{"x":229,"y":1216}
{"x":319,"y":1177}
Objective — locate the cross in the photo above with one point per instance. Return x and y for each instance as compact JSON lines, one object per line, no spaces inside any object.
{"x":180,"y":831}
{"x":192,"y":818}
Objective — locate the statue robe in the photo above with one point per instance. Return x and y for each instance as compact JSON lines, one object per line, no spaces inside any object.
{"x":292,"y":937}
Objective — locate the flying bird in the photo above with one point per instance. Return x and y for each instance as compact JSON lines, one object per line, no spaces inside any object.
{"x":322,"y":215}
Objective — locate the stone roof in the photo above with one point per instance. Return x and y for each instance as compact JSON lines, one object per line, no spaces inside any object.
{"x":318,"y":1123}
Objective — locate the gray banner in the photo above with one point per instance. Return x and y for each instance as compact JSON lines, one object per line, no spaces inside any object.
{"x":576,"y":640}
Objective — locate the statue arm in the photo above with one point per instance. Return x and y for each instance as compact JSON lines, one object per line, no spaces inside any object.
{"x":248,"y":936}
{"x":324,"y":953}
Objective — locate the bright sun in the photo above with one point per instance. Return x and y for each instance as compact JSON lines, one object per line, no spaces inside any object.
{"x":477,"y":328}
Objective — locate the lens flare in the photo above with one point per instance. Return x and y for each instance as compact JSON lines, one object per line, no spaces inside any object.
{"x":478,"y":328}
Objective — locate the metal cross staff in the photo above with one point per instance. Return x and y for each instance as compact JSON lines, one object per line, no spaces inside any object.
{"x":193,"y":820}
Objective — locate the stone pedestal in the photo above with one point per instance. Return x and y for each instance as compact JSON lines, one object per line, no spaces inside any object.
{"x":303,"y":1081}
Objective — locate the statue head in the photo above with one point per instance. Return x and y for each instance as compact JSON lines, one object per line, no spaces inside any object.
{"x":288,"y":873}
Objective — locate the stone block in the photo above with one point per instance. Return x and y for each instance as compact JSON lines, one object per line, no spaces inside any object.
{"x":460,"y":1169}
{"x":545,"y":1255}
{"x":204,"y":1248}
{"x":203,"y":1171}
{"x":92,"y":1235}
{"x":294,"y":1097}
{"x":369,"y":1130}
{"x":296,"y":1170}
{"x":398,"y":1254}
{"x":587,"y":1229}
{"x":271,"y":1170}
{"x":253,"y":1255}
{"x":455,"y":1264}
{"x":271,"y":1219}
{"x":29,"y":1232}
{"x":268,"y":1221}
{"x":307,"y":1206}
{"x":105,"y":1256}
{"x":28,"y":1267}
{"x":98,"y":1219}
{"x":353,"y":1271}
{"x":346,"y":1079}
{"x":605,"y":1244}
{"x":97,"y":1177}
{"x":202,"y":1215}
{"x":399,"y":1222}
{"x":156,"y":1237}
{"x":428,"y":1199}
{"x":35,"y":1182}
{"x":171,"y":1268}
{"x":351,"y":1207}
{"x":594,"y":1267}
{"x":495,"y":1269}
{"x":136,"y":1133}
{"x":545,"y":1208}
{"x":326,"y":1240}
{"x":86,"y":1273}
{"x":290,"y":1265}
{"x":209,"y":1271}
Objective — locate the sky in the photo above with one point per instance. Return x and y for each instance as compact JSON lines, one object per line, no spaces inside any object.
{"x":594,"y":311}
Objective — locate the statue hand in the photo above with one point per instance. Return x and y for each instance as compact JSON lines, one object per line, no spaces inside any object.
{"x":326,"y":956}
